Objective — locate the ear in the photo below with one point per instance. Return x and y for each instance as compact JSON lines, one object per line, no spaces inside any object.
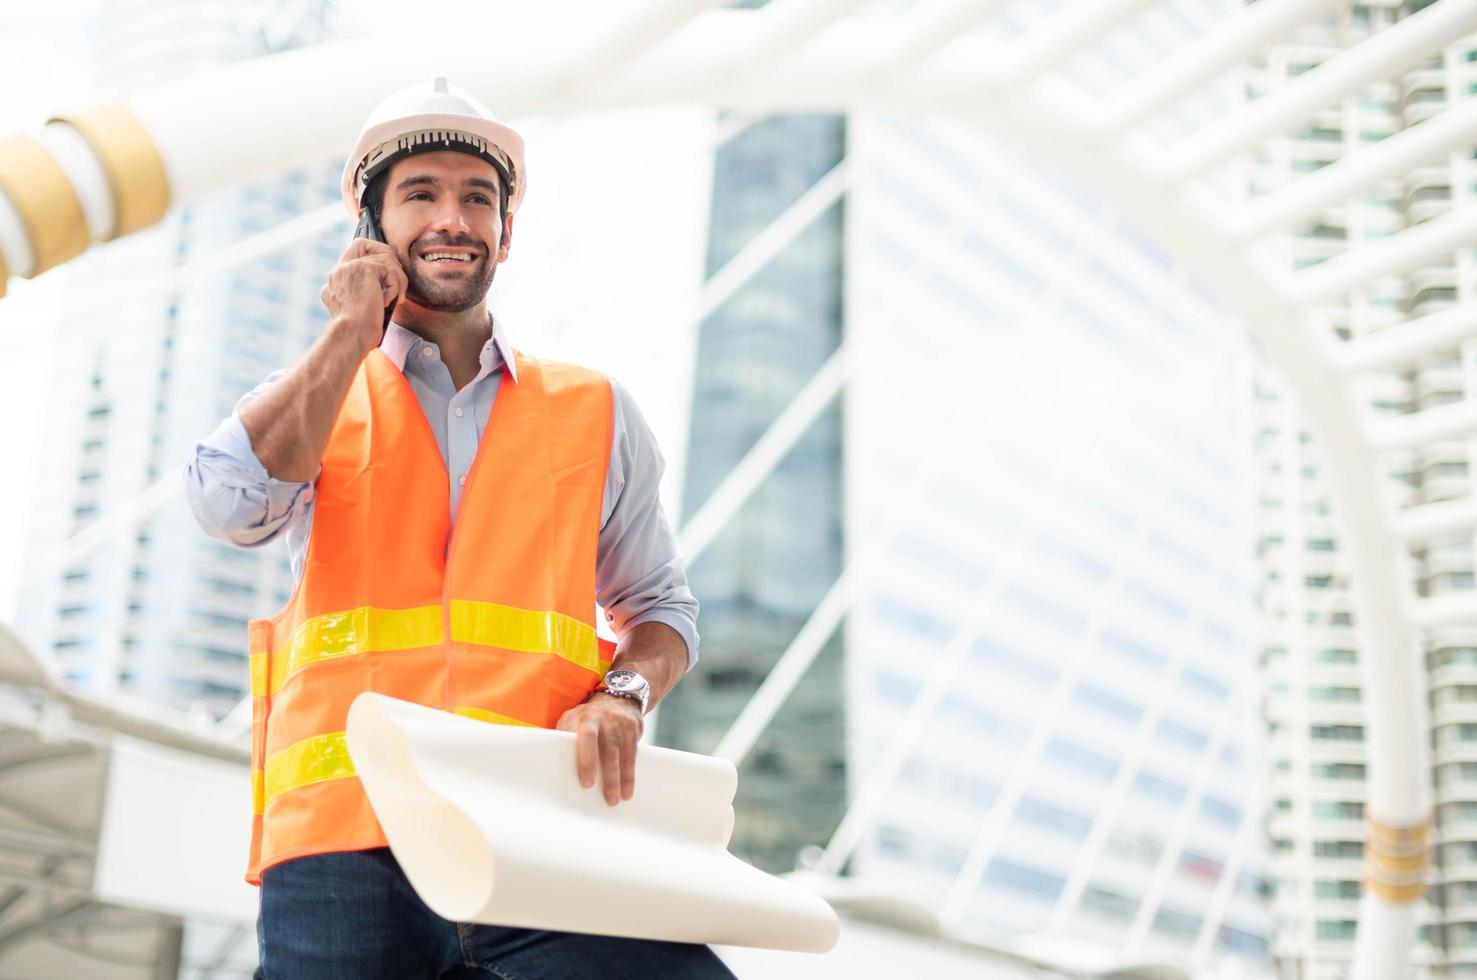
{"x":507,"y":242}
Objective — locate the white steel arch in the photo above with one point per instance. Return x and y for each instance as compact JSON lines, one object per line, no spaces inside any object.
{"x":176,"y":144}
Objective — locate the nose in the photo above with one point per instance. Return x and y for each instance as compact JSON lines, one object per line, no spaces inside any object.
{"x":449,"y":217}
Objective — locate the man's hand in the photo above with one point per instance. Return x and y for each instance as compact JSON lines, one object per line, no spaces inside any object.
{"x":367,"y":279}
{"x":606,"y":729}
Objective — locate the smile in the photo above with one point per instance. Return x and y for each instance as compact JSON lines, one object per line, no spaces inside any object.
{"x":447,"y":257}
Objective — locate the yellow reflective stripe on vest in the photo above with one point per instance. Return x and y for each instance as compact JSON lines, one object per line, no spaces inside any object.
{"x":315,"y":759}
{"x":369,"y":630}
{"x":258,"y":662}
{"x":344,"y":634}
{"x":319,"y":758}
{"x":482,"y":714}
{"x":492,"y":625}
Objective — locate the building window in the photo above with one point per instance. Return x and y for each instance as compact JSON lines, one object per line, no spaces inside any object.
{"x":1336,"y":889}
{"x":1150,"y":785}
{"x":1333,"y":655}
{"x":1337,"y":733}
{"x":1338,"y":809}
{"x":1338,"y":848}
{"x":1017,"y":878}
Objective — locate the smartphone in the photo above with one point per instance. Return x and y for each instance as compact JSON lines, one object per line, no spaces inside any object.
{"x":369,"y":228}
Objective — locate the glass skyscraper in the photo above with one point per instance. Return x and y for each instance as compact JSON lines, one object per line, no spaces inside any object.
{"x":761,"y":578}
{"x":1041,"y":707}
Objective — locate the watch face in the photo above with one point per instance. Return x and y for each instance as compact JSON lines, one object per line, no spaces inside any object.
{"x":624,"y":680}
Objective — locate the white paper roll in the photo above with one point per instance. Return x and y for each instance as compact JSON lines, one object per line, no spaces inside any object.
{"x":491,"y":826}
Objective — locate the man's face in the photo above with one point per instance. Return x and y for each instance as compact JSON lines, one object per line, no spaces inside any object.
{"x":441,"y":217}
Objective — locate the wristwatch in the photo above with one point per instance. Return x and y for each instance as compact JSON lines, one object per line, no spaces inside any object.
{"x":626,"y":684}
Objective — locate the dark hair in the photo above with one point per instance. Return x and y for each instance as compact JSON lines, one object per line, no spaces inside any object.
{"x":379,"y":186}
{"x":374,"y":194}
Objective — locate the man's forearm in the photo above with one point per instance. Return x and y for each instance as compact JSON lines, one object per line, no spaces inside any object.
{"x":290,"y":424}
{"x":656,"y":652}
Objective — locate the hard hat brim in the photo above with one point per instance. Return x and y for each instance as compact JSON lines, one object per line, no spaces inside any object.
{"x":391,"y":130}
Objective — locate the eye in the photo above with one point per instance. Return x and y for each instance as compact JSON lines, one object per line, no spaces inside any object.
{"x":415,"y":194}
{"x":479,"y":198}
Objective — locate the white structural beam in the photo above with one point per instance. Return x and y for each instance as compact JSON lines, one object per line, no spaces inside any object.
{"x":1067,"y":33}
{"x":1334,"y":185}
{"x":1417,"y":525}
{"x":1400,"y":346}
{"x":96,"y":315}
{"x":1049,"y":714}
{"x":772,"y":240}
{"x":20,"y":667}
{"x":1179,"y":830}
{"x":1453,"y":421}
{"x":789,"y":25}
{"x":765,"y":455}
{"x":1225,"y":886}
{"x":938,"y":30}
{"x":198,"y":133}
{"x":1414,"y":247}
{"x":1439,"y":612}
{"x":630,"y":41}
{"x":1238,"y":37}
{"x":876,"y":784}
{"x":788,"y":669}
{"x":1399,"y":791}
{"x":823,"y":621}
{"x":1381,"y":57}
{"x":1110,"y":804}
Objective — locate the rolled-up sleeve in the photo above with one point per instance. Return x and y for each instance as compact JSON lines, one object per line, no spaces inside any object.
{"x":639,"y":576}
{"x":231,"y":494}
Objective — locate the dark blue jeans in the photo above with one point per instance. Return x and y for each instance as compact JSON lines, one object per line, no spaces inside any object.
{"x":355,"y":915}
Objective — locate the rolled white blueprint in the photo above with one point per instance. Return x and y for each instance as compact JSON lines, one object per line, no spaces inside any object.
{"x":491,"y":826}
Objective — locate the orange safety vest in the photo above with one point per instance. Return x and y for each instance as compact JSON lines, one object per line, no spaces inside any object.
{"x":494,"y":621}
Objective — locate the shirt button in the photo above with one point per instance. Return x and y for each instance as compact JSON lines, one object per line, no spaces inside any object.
{"x":460,"y":413}
{"x":462,"y":479}
{"x":427,"y":351}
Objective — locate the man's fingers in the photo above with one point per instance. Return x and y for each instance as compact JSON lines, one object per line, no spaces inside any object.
{"x":610,"y":763}
{"x":360,"y":247}
{"x":402,"y":280}
{"x":605,"y":748}
{"x":628,"y":764}
{"x":586,"y":752}
{"x":387,"y":269}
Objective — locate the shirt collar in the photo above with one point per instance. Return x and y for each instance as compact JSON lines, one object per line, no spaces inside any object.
{"x":398,"y":341}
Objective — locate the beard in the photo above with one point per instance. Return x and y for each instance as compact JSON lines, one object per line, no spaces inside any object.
{"x":448,"y":295}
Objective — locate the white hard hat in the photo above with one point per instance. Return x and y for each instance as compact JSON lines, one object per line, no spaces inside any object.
{"x":423,"y":118}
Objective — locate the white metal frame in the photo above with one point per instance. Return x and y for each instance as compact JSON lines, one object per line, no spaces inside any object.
{"x":812,"y":65}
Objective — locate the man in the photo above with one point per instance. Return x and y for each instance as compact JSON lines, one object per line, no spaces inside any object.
{"x":453,"y":510}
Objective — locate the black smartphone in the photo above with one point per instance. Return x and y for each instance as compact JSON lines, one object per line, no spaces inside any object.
{"x":369,"y":228}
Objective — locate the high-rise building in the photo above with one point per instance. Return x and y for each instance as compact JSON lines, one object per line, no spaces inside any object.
{"x":1038,"y":484}
{"x":1311,"y":645}
{"x":760,"y":579}
{"x":153,"y":608}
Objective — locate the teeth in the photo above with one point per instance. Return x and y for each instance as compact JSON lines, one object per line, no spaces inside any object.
{"x":446,"y":257}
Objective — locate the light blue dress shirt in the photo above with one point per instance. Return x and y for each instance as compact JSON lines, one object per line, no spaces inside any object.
{"x":639,"y":576}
